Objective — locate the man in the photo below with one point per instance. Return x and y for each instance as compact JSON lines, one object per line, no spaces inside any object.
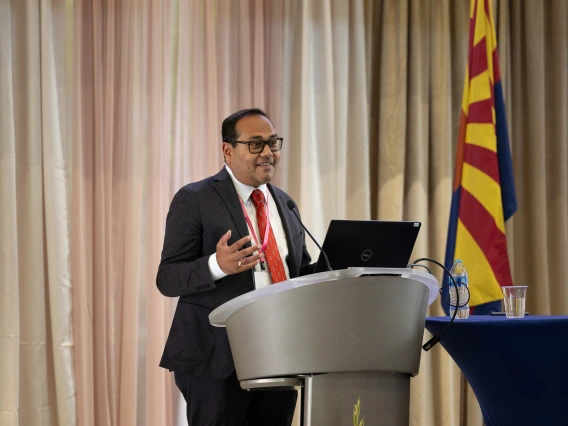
{"x":226,"y":235}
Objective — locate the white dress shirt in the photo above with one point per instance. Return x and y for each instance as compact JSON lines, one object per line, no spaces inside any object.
{"x":244,"y":192}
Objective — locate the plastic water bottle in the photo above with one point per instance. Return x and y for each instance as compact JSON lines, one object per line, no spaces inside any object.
{"x":460,"y":276}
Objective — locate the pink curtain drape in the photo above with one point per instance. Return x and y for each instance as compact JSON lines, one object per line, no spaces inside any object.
{"x":149,"y":97}
{"x":119,"y":66}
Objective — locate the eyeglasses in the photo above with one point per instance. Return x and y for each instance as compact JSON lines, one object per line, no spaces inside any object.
{"x":257,"y":146}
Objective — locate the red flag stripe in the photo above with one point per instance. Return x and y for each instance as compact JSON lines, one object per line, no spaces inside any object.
{"x":496,"y":70}
{"x":480,"y":112}
{"x":479,"y":58}
{"x":487,"y":8}
{"x":460,"y":151}
{"x":482,"y":159}
{"x":471,"y":36}
{"x":488,"y":237}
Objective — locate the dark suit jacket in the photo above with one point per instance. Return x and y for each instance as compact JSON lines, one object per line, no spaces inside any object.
{"x":200,"y":213}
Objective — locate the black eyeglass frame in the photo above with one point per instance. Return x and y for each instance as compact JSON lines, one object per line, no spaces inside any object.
{"x":264,"y":143}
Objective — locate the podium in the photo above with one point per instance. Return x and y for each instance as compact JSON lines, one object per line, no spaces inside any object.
{"x":339,"y":335}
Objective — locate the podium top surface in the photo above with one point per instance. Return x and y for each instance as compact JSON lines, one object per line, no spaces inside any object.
{"x":218,"y":317}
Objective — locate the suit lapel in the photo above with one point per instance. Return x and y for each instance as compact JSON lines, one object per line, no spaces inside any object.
{"x":284,"y":212}
{"x":226,"y":189}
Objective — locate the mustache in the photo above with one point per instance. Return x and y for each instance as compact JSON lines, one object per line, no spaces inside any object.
{"x":265,"y":160}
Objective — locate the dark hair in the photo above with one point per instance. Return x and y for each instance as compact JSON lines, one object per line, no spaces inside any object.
{"x":228,"y":129}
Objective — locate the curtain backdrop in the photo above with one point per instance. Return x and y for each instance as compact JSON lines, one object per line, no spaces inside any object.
{"x":537,"y":97}
{"x":366,"y":93}
{"x":152,"y":79}
{"x":119,"y":138}
{"x":36,"y":365}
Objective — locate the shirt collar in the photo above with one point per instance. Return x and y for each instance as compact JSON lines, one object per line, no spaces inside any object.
{"x":243,"y":190}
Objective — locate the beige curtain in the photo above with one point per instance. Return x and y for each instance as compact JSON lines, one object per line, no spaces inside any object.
{"x":537,"y":98}
{"x":325,"y":112}
{"x":418,"y":65}
{"x":418,"y":53}
{"x":36,"y":377}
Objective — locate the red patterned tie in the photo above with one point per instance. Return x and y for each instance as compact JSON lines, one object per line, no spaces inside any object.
{"x":272,"y":255}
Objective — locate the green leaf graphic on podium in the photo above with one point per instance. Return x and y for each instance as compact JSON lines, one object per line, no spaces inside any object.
{"x":357,"y":413}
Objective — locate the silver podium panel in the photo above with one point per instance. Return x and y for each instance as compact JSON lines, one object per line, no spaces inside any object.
{"x":329,"y":399}
{"x":369,"y":323}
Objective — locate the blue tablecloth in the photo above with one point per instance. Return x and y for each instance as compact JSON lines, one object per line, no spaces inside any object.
{"x":518,"y":368}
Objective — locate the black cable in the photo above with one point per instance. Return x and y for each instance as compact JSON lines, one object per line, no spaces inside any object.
{"x":436,"y":338}
{"x":293,"y":207}
{"x":423,"y":266}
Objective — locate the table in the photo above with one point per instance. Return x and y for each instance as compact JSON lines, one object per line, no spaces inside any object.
{"x":516,"y":367}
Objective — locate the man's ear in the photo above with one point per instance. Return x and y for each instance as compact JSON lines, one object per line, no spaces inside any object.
{"x":227,"y":152}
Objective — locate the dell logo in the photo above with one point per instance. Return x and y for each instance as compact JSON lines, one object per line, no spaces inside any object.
{"x":366,"y":255}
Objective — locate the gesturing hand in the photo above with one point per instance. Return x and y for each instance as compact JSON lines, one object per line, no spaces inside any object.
{"x":231,"y":259}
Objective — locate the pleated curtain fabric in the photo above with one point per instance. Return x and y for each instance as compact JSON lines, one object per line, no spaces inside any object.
{"x":36,"y":340}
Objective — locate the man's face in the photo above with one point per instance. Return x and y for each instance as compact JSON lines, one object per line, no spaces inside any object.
{"x":252,"y":169}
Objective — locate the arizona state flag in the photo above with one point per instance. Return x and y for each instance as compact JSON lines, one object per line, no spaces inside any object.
{"x":484,"y":191}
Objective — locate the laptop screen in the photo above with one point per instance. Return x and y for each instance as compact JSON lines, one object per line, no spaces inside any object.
{"x":368,"y":243}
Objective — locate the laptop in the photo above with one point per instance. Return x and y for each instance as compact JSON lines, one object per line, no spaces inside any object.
{"x":368,"y":243}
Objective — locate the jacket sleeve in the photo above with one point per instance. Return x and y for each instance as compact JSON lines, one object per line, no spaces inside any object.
{"x":306,"y":268}
{"x":184,"y":270}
